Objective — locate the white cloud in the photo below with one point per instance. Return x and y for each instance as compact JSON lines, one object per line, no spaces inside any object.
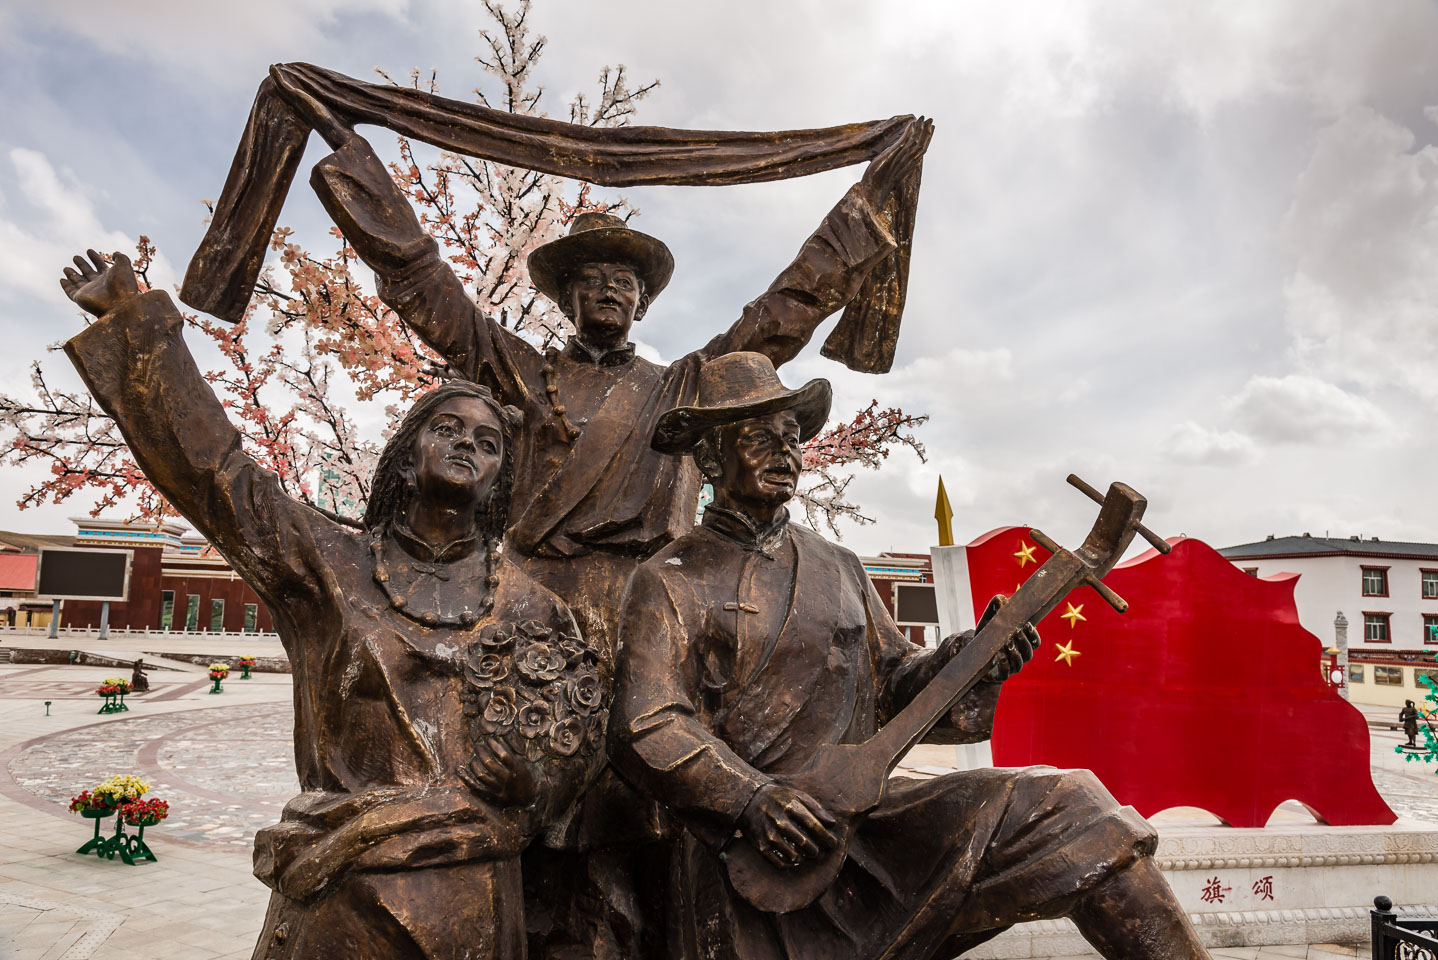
{"x":1301,"y":409}
{"x":44,"y":221}
{"x":1362,"y":302}
{"x":215,"y":38}
{"x":1192,"y":444}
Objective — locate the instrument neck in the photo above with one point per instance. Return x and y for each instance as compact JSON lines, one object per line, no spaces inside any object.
{"x":1033,"y":600}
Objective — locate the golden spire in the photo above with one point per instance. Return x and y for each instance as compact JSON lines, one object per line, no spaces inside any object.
{"x":945,"y":515}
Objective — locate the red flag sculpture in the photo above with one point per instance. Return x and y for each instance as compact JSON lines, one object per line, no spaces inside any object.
{"x":1206,"y":693}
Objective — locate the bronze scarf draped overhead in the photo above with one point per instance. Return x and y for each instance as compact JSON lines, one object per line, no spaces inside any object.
{"x":223,"y":271}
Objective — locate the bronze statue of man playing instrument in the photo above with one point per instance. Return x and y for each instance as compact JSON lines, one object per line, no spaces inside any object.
{"x":758,"y":676}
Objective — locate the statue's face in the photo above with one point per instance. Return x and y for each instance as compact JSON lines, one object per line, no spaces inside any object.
{"x":458,"y":453}
{"x":760,"y":459}
{"x":604,"y":300}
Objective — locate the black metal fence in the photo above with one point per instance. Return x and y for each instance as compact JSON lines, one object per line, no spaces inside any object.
{"x":1406,"y":939}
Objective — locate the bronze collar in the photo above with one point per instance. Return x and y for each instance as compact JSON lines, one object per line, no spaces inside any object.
{"x":577,"y":350}
{"x":424,"y":553}
{"x":734,"y":526}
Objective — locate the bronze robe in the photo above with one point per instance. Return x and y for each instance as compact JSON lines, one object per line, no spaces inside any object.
{"x":741,"y":651}
{"x":586,"y":512}
{"x":386,"y":851}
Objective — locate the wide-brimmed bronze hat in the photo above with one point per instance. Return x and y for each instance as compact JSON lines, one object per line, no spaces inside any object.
{"x":600,"y":238}
{"x":740,"y":386}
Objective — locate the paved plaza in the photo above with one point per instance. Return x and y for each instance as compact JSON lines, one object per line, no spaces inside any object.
{"x":225,"y":765}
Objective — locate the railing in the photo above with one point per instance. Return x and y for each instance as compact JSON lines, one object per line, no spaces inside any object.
{"x":92,"y":632}
{"x":1406,"y":939}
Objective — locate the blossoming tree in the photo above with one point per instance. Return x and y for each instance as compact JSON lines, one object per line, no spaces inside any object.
{"x":313,"y":334}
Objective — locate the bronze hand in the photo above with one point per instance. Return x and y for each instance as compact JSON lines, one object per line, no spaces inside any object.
{"x":501,"y":776}
{"x":889,"y":168}
{"x":786,"y":825}
{"x":99,"y":287}
{"x":1020,"y":649}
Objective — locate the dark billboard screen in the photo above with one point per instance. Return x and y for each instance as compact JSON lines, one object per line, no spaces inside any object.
{"x":915,"y":603}
{"x":83,"y":574}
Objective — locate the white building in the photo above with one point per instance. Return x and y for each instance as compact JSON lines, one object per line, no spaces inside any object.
{"x":1387,"y":593}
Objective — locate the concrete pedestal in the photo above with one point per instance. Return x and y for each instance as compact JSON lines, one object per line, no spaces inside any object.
{"x":1321,"y":881}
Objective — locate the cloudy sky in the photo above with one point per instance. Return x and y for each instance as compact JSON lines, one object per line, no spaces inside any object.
{"x":1189,"y":246}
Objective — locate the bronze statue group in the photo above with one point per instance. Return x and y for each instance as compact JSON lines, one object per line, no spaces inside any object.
{"x":536,"y":705}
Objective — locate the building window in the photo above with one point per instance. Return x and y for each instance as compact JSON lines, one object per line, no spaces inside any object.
{"x":1355,"y":673}
{"x":167,"y":609}
{"x":217,"y":616}
{"x":1430,"y":628}
{"x":192,"y":612}
{"x":1375,"y":581}
{"x":1388,"y":676}
{"x":1251,"y":571}
{"x":1375,"y":628}
{"x":1430,"y":584}
{"x":252,"y":616}
{"x":1420,"y":675}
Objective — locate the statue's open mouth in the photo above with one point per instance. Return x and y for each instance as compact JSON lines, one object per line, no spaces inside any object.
{"x":779,"y":475}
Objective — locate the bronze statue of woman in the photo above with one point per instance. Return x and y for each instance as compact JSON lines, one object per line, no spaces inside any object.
{"x":446,"y":708}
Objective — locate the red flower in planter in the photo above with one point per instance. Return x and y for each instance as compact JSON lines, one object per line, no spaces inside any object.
{"x":144,"y":812}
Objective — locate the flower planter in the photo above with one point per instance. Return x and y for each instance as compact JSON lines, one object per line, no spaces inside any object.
{"x":114,"y":703}
{"x":217,"y":688}
{"x":113,"y":689}
{"x":131,"y":848}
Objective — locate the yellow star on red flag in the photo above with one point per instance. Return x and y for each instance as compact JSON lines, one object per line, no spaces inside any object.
{"x":1073,"y":615}
{"x":1067,"y":653}
{"x":1025,"y":554}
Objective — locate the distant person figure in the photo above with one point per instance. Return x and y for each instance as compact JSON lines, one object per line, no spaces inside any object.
{"x":139,"y":683}
{"x":1409,"y":718}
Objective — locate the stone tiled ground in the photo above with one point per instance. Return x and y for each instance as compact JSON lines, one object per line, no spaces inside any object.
{"x":227,"y":770}
{"x":222,"y":761}
{"x":225,"y":763}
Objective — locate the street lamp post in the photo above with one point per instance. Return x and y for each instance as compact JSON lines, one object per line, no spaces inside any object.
{"x":1340,"y":640}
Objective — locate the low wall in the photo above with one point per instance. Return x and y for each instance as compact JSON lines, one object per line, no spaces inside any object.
{"x":1271,"y":886}
{"x":82,"y":658}
{"x":262,"y":664}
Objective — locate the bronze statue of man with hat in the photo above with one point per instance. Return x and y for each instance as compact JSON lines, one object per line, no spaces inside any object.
{"x":749,"y":645}
{"x":591,"y":499}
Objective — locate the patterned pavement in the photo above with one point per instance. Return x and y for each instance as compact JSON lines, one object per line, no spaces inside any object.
{"x":226,"y":771}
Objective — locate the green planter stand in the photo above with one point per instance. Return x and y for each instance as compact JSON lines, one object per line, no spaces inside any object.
{"x":246,"y":674}
{"x":95,"y":843}
{"x":114,"y":703}
{"x":217,"y":688}
{"x":130,"y":847}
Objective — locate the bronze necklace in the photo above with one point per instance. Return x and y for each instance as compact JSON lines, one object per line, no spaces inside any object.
{"x":466,"y":617}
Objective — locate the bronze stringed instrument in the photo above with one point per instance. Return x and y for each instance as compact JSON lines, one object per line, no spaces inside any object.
{"x":849,"y":779}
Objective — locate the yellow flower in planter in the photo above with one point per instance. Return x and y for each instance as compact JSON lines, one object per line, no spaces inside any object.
{"x":121,"y":787}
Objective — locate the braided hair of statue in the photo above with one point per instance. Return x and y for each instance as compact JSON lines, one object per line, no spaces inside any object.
{"x":391,"y":489}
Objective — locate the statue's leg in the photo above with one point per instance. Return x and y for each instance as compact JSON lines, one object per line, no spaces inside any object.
{"x":474,"y":910}
{"x":602,"y":904}
{"x":1134,"y":915}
